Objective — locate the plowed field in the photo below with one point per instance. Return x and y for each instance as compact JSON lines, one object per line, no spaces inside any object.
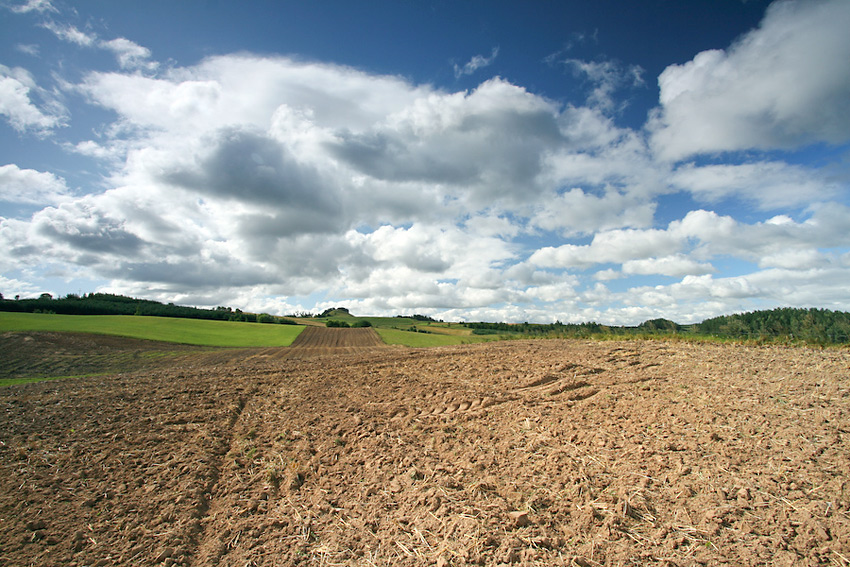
{"x":528,"y":453}
{"x":314,"y":341}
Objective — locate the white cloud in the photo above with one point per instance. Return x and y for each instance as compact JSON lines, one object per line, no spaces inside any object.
{"x":245,"y":178}
{"x":34,"y":6}
{"x":29,"y":186}
{"x":28,"y":48}
{"x":614,"y":246}
{"x":607,"y":77}
{"x":701,"y":235}
{"x":715,"y":235}
{"x":93,"y":149}
{"x":771,"y":185}
{"x":676,"y":265}
{"x":596,"y":153}
{"x":794,"y":259}
{"x":576,"y":212}
{"x":696,"y":298}
{"x":17,"y":88}
{"x":482,"y":146}
{"x":130,"y":55}
{"x":71,"y":34}
{"x":476,"y":63}
{"x":783,"y":85}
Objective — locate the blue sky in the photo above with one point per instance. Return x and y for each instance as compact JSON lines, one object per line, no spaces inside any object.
{"x":533,"y":161}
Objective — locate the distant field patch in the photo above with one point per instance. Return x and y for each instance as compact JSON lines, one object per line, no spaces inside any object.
{"x":416,"y":340}
{"x":183,"y":331}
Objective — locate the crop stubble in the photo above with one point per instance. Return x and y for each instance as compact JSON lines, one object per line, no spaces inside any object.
{"x":536,"y":453}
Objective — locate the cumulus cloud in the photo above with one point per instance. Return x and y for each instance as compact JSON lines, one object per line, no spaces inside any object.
{"x":771,"y":185}
{"x":17,"y":90}
{"x":30,"y":186}
{"x":684,"y":246}
{"x":676,"y":265}
{"x":782,"y":85}
{"x":247,"y":178}
{"x":715,"y":235}
{"x":613,"y":246}
{"x":489,"y":142}
{"x":250,"y":167}
{"x":575,"y":212}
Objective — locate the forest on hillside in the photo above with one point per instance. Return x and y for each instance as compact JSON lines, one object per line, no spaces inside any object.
{"x":110,"y":304}
{"x":819,"y":326}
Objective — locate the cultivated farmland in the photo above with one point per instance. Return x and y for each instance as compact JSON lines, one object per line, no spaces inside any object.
{"x":340,"y":450}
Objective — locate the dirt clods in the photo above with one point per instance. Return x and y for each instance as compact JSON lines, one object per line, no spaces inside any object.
{"x":523,"y":453}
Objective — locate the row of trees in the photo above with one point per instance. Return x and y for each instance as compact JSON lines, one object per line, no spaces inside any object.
{"x":820,"y":326}
{"x":110,"y":304}
{"x":346,"y":324}
{"x":538,"y":329}
{"x":815,"y":326}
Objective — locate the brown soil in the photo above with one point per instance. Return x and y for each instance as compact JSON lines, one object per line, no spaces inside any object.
{"x":35,"y":354}
{"x":530,"y":453}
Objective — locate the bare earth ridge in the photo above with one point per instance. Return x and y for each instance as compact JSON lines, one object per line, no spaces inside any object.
{"x":347,"y":452}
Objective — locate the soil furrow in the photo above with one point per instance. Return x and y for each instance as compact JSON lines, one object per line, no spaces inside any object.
{"x":207,"y":546}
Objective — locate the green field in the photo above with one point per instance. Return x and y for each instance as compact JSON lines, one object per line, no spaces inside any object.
{"x":418,"y":340}
{"x":184,"y":331}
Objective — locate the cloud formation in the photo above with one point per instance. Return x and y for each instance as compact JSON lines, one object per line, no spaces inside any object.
{"x":783,"y":85}
{"x":606,"y":77}
{"x":31,"y":187}
{"x":129,"y":54}
{"x":39,"y":6}
{"x":476,"y":63}
{"x":18,"y":90}
{"x":264,"y":181}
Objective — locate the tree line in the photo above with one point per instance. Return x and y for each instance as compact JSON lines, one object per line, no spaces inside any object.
{"x":813,"y":326}
{"x":111,"y":304}
{"x":818,"y":326}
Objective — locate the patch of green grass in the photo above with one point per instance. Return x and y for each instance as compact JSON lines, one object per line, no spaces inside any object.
{"x":183,"y":331}
{"x":416,"y":340}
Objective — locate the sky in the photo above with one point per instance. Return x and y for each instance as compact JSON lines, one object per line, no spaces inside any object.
{"x":583,"y":160}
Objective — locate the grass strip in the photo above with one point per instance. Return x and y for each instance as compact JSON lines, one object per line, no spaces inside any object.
{"x":32,"y":379}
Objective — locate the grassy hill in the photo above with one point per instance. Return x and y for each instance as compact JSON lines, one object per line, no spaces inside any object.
{"x":184,"y":331}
